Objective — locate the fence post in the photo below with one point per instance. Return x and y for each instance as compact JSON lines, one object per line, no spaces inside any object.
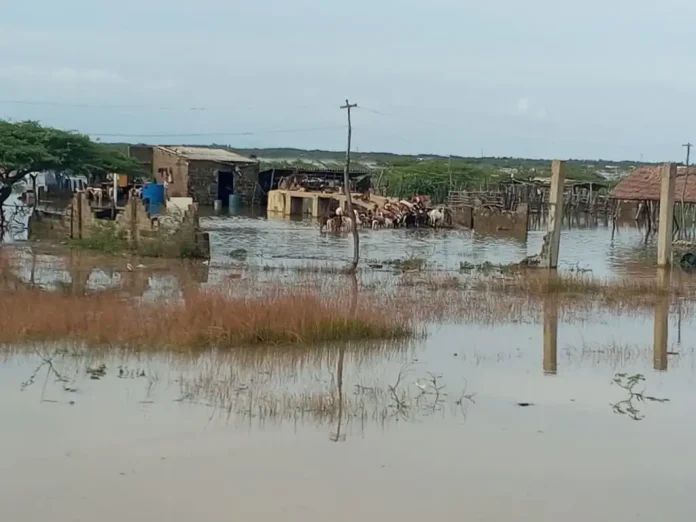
{"x":558,"y":169}
{"x":664,"y":237}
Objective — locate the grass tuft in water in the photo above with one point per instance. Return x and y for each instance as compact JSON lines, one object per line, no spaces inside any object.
{"x":202,"y":320}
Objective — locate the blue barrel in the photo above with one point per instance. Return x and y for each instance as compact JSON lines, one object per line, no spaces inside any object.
{"x":154,"y":193}
{"x":235,"y":203}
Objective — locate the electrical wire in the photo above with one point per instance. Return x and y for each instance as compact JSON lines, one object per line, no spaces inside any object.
{"x":212,"y":134}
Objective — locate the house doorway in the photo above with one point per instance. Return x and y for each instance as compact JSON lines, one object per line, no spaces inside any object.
{"x":225,"y":187}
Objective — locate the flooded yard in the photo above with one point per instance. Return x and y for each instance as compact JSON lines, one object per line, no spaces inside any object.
{"x":501,"y":406}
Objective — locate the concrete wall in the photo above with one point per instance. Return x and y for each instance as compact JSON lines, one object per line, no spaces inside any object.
{"x":276,"y":202}
{"x":134,"y":222}
{"x":81,"y":216}
{"x":176,"y":233}
{"x":169,"y":166}
{"x":494,"y":221}
{"x":463,"y":217}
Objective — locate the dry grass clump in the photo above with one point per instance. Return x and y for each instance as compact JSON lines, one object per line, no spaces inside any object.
{"x":202,"y":320}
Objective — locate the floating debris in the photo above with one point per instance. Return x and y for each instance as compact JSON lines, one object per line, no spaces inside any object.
{"x":97,"y":372}
{"x":238,"y":253}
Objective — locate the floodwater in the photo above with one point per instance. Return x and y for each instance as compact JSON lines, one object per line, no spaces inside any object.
{"x":285,"y":241}
{"x":512,"y":422}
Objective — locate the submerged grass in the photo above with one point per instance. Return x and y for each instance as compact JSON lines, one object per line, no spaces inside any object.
{"x":636,"y":292}
{"x":202,"y":320}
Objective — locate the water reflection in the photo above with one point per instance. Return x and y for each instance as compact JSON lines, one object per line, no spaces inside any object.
{"x":550,"y":359}
{"x":661,"y":351}
{"x":341,"y":358}
{"x":661,"y":325}
{"x":78,"y":272}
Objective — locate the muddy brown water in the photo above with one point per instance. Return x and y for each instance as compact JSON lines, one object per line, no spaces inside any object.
{"x":428,"y":429}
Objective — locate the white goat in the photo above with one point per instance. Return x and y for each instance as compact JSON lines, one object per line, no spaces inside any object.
{"x":436,"y":217}
{"x":96,"y":194}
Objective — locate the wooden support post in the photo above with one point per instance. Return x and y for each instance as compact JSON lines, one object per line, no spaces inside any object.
{"x":79,"y":214}
{"x":72,"y":217}
{"x":558,"y":169}
{"x":114,"y":199}
{"x":664,"y":238}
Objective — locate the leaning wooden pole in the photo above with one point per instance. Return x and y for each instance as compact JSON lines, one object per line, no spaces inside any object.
{"x":349,"y":200}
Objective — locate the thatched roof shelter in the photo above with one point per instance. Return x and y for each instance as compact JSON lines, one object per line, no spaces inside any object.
{"x":644,"y":184}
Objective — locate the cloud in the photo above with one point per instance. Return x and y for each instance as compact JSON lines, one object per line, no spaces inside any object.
{"x":51,"y":74}
{"x":523,"y":105}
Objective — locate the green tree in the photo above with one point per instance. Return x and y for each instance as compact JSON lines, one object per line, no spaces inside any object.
{"x":27,"y":147}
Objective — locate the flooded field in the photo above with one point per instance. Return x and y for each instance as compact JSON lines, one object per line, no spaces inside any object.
{"x":282,"y":241}
{"x":508,"y":402}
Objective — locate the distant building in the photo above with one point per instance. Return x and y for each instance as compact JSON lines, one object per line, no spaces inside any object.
{"x":202,"y":173}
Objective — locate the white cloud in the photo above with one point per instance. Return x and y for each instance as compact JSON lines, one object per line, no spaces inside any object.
{"x":523,"y":105}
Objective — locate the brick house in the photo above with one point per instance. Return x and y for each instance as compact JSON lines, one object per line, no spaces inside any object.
{"x":201,"y":173}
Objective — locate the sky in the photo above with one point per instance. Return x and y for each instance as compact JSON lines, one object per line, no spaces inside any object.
{"x":610,"y":79}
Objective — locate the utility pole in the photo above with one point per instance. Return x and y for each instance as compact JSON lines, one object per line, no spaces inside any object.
{"x":682,"y":231}
{"x":688,"y":146}
{"x":349,"y":199}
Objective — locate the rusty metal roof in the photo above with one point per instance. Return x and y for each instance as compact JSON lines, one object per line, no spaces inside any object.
{"x":207,"y":154}
{"x":644,"y":184}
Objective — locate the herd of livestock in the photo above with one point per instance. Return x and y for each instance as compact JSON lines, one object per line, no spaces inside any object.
{"x":392,"y":214}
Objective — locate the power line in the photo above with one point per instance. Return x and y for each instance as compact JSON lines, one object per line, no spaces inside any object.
{"x":42,"y":103}
{"x":98,"y":106}
{"x":373,"y":111}
{"x":209,"y":134}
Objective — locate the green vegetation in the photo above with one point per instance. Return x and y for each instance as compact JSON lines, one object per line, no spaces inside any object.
{"x":27,"y":147}
{"x":488,"y":267}
{"x":409,"y":264}
{"x":106,"y":238}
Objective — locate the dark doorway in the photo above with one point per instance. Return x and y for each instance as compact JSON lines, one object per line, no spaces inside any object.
{"x":225,"y":187}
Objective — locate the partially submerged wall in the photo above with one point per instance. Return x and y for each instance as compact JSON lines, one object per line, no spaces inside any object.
{"x":174,"y":233}
{"x":276,"y":202}
{"x":495,"y":221}
{"x":463,"y":217}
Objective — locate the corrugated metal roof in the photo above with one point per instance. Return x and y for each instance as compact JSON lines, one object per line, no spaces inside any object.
{"x":206,"y":154}
{"x":645,"y":183}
